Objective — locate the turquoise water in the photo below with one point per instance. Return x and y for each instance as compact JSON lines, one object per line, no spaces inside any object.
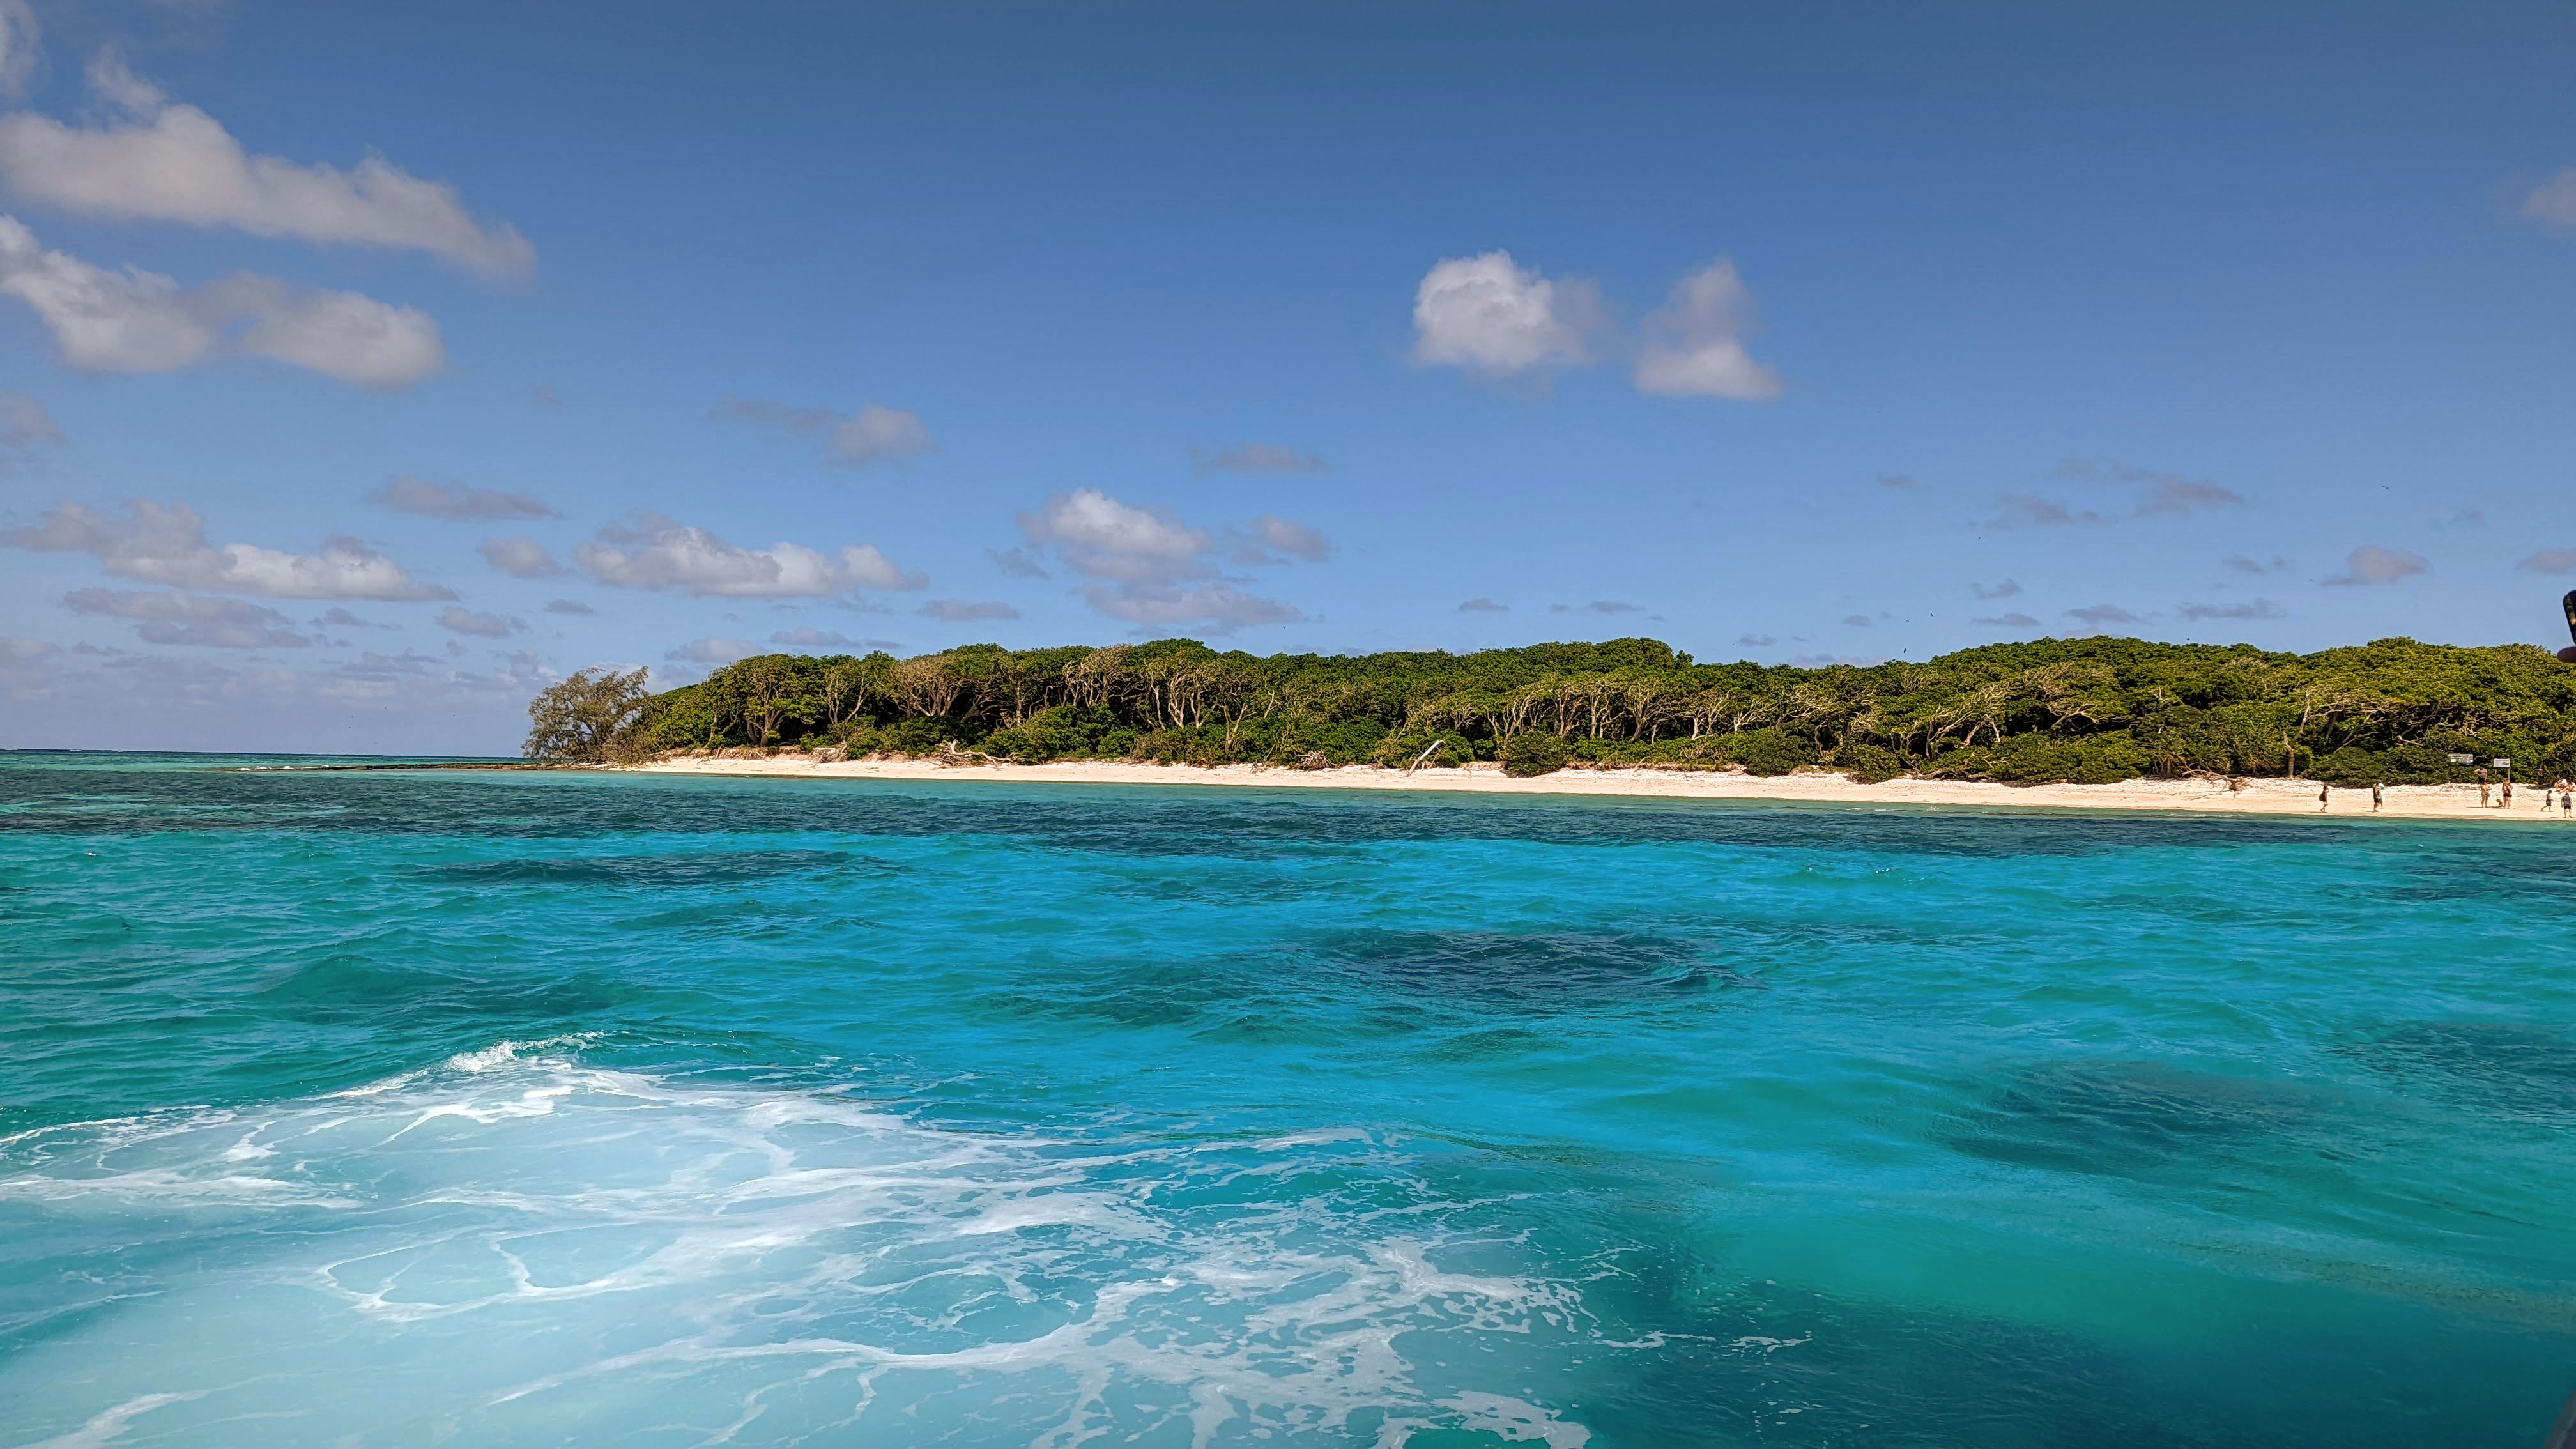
{"x":490,"y":1108}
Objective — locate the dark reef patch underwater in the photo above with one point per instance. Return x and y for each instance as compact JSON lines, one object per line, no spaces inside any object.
{"x":516,"y":1108}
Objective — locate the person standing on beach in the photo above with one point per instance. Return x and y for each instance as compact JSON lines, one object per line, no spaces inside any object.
{"x":2567,"y":802}
{"x":2482,"y":789}
{"x":2508,"y":794}
{"x":2321,"y":798}
{"x":2378,"y":795}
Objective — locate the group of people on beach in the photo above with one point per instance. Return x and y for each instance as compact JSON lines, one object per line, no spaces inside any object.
{"x":2563,"y":792}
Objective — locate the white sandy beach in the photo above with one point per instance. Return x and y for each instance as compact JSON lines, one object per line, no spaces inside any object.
{"x":2259,"y":797}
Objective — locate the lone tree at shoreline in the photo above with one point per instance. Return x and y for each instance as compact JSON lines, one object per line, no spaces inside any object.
{"x":586,"y":719}
{"x":2094,"y":710}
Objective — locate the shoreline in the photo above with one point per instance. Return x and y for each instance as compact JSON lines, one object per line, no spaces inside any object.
{"x":2201,"y":796}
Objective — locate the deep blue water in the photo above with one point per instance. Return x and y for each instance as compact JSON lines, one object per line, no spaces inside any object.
{"x":509,"y":1108}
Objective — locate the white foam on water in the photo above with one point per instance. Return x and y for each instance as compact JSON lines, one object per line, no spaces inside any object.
{"x":518,"y":1245}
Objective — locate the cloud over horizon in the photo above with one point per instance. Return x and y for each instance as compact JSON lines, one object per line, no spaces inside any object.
{"x":1143,"y":568}
{"x":166,"y":544}
{"x":651,"y":551}
{"x":175,"y":617}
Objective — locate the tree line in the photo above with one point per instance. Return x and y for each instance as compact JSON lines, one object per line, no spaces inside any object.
{"x":2092,"y":710}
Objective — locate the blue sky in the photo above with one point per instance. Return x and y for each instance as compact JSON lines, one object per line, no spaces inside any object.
{"x":368,"y":367}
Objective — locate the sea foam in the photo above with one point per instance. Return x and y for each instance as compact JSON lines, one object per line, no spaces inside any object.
{"x":519,"y":1244}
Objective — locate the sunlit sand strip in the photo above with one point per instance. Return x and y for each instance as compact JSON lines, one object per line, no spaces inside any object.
{"x":2258,"y":797}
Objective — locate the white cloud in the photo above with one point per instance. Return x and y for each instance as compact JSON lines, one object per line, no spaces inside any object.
{"x":456,"y":620}
{"x":407,"y":494}
{"x":181,"y":618}
{"x":2371,"y":564}
{"x":20,"y":47}
{"x":521,"y":558}
{"x":659,"y":553}
{"x":568,"y":606}
{"x":1256,"y":458}
{"x":2553,"y":202}
{"x":342,"y":335}
{"x":873,"y":435}
{"x":139,"y":321}
{"x":102,"y":321}
{"x":1483,"y":606}
{"x":166,"y":544}
{"x":16,"y":649}
{"x":1101,"y":538}
{"x":713,"y":651}
{"x":163,"y":162}
{"x":1489,"y":315}
{"x":1146,"y":569}
{"x":962,"y":611}
{"x":1695,"y":345}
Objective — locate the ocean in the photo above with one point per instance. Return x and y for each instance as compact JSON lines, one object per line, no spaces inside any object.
{"x":499,"y":1108}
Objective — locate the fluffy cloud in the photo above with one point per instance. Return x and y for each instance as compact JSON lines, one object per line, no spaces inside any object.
{"x":654,"y":552}
{"x":521,"y":558}
{"x":166,"y":544}
{"x":157,"y":161}
{"x":1144,"y":568}
{"x":139,"y":321}
{"x":181,"y":618}
{"x":457,"y":620}
{"x":1101,"y":538}
{"x":962,"y":611}
{"x":455,"y":501}
{"x":1482,"y":605}
{"x":2259,"y":609}
{"x":713,"y":651}
{"x":1256,"y":458}
{"x":2371,"y":564}
{"x":873,"y":435}
{"x":15,"y":649}
{"x":2550,"y":561}
{"x":1695,"y":345}
{"x":1489,"y":315}
{"x":2553,"y":202}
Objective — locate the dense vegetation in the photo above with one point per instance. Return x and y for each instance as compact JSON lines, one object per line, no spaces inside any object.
{"x":2091,"y":710}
